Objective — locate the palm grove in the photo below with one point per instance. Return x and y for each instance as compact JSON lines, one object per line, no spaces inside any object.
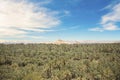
{"x":60,"y":62}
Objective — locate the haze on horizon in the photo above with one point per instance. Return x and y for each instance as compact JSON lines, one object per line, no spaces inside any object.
{"x":49,"y":20}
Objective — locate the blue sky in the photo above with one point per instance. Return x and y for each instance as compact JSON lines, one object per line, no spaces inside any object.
{"x":49,"y":20}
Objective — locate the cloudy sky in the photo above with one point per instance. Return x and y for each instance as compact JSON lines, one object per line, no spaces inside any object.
{"x":49,"y":20}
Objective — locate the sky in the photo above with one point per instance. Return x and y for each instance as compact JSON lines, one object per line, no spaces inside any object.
{"x":50,"y":20}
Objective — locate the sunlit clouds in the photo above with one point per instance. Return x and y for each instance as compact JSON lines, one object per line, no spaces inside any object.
{"x":16,"y":16}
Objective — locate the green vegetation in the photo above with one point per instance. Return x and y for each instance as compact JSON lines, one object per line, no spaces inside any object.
{"x":60,"y":62}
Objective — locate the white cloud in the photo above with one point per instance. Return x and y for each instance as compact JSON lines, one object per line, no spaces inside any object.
{"x":6,"y":32}
{"x":16,"y":15}
{"x":110,"y":26}
{"x":109,"y":20}
{"x":113,"y":16}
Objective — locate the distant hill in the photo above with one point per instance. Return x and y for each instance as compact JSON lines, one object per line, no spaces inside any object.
{"x":60,"y":41}
{"x":84,"y":42}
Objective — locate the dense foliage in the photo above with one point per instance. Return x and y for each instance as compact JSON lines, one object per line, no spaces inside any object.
{"x":60,"y":62}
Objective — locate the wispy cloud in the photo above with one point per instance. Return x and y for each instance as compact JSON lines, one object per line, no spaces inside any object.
{"x":96,"y":29}
{"x":109,"y":21}
{"x":16,"y":16}
{"x":66,"y":12}
{"x":75,"y":27}
{"x":44,"y":2}
{"x":69,"y":28}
